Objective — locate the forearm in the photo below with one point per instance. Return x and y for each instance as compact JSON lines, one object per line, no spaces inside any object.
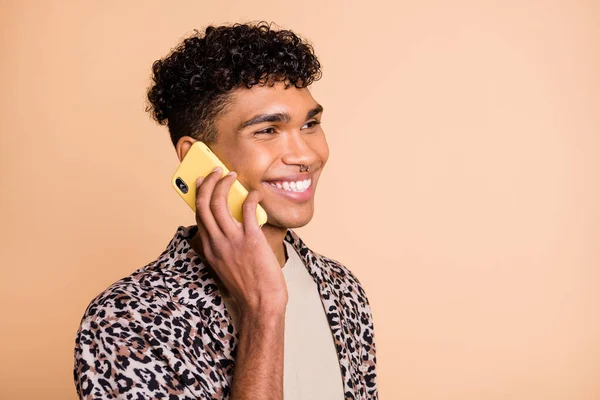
{"x":259,"y":363}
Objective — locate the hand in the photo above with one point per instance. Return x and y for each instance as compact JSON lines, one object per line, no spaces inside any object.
{"x":238,"y":252}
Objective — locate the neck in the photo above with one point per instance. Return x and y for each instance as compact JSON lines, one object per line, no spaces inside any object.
{"x":275,"y":236}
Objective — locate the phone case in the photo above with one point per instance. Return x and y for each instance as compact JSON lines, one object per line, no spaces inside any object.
{"x":200,"y":161}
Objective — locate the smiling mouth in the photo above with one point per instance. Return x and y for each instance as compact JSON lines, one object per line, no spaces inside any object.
{"x":296,"y":191}
{"x":293,"y":186}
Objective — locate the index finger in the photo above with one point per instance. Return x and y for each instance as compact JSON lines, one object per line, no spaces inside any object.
{"x":220,"y":206}
{"x":249,"y":211}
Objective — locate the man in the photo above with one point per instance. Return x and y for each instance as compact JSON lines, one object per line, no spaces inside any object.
{"x":232,"y":310}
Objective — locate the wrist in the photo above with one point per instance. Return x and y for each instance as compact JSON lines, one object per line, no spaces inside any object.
{"x":264,"y":310}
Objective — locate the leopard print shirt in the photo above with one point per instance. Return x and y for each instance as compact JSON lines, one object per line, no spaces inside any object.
{"x":164,"y":332}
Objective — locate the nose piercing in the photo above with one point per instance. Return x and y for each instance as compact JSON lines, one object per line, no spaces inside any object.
{"x":304,"y":168}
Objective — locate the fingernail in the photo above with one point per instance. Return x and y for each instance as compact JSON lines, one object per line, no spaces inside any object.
{"x":199,"y":181}
{"x":217,"y":169}
{"x":231,"y":173}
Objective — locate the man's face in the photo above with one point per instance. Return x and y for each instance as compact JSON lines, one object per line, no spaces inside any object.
{"x":265,"y":134}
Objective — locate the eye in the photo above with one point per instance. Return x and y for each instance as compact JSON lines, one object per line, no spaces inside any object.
{"x":311,"y":124}
{"x":266,"y":131}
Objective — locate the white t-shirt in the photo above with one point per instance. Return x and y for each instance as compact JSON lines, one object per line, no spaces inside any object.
{"x":311,"y":370}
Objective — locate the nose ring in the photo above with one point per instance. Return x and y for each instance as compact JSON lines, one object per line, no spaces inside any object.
{"x":304,"y":168}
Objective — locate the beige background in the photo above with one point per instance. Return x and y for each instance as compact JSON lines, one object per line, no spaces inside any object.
{"x":463,"y":187}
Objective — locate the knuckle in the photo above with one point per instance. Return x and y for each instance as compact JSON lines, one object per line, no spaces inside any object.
{"x":252,"y":239}
{"x":218,"y":248}
{"x":200,"y":202}
{"x":237,"y":239}
{"x":248,"y":205}
{"x":216,"y":204}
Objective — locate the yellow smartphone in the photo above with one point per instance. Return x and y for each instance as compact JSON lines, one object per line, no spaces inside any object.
{"x":200,"y":161}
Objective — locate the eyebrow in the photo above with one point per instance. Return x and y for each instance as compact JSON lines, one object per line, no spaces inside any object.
{"x":277,"y":117}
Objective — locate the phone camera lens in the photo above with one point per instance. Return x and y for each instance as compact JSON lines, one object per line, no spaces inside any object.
{"x":181,"y":185}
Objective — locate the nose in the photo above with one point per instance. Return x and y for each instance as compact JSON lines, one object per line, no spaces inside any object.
{"x":298,"y":151}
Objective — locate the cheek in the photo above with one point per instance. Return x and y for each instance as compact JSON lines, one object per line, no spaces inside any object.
{"x":252,"y":167}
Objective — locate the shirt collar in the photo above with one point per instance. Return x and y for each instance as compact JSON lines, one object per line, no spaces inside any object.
{"x":191,"y":282}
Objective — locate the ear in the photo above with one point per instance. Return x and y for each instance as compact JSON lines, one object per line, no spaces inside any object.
{"x":183,"y":145}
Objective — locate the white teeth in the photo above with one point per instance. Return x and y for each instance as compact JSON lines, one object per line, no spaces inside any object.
{"x":299,"y":186}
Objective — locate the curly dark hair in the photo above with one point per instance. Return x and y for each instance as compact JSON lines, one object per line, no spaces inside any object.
{"x":191,"y":84}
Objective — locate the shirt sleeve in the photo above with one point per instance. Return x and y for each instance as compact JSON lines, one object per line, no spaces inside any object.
{"x":113,"y":360}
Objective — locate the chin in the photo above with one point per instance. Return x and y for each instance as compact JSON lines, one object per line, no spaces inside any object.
{"x":297,"y":224}
{"x":290,"y":223}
